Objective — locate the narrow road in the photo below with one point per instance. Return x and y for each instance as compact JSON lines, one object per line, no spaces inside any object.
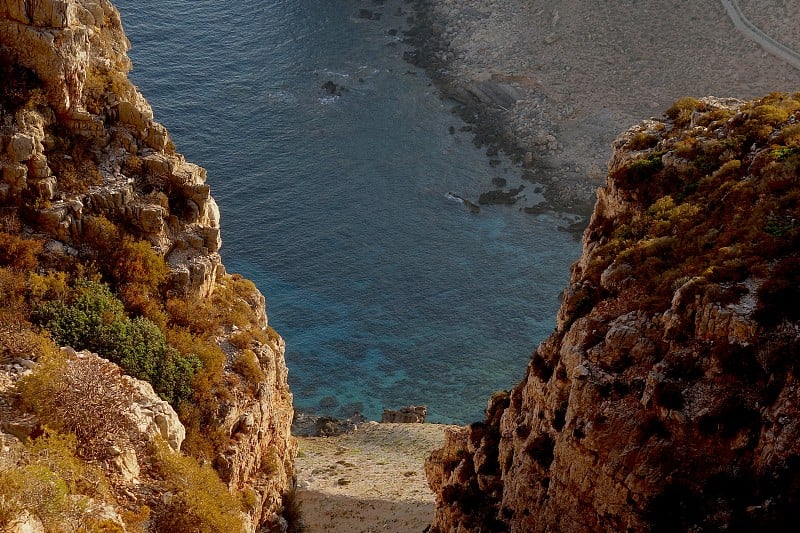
{"x":756,"y":34}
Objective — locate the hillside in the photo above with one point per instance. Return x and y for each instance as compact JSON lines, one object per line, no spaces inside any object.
{"x":552,"y":84}
{"x":141,"y":388}
{"x":667,"y":397}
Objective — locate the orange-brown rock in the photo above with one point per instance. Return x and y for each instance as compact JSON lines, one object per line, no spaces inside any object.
{"x":667,"y":397}
{"x":81,"y":154}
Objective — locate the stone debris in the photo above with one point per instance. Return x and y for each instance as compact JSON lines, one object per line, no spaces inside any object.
{"x":412,"y":414}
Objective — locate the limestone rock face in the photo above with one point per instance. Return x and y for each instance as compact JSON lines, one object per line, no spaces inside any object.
{"x":73,"y":52}
{"x":261,"y":450}
{"x":81,"y":152}
{"x":24,"y":524}
{"x":667,"y":397}
{"x":153,"y":416}
{"x":143,"y":413}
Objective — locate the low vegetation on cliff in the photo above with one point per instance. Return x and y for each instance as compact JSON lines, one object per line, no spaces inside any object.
{"x":140,"y":386}
{"x":666,"y":398}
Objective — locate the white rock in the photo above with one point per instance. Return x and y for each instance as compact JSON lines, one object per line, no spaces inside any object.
{"x":21,"y":147}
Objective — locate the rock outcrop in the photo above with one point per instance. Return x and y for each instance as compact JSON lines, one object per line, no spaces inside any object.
{"x":667,"y":397}
{"x":89,"y":145}
{"x":81,"y":159}
{"x":412,"y":414}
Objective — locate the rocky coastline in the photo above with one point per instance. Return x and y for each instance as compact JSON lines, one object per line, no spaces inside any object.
{"x":552,"y":86}
{"x":95,"y":199}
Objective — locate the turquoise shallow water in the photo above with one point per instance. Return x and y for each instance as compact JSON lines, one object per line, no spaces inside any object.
{"x":388,"y":291}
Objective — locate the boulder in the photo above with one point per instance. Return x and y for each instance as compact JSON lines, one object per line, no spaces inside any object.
{"x":413,"y":414}
{"x":24,"y":523}
{"x":153,"y":416}
{"x":21,"y":147}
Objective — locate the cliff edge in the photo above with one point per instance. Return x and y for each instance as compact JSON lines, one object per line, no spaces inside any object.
{"x":667,"y":397}
{"x":109,"y":245}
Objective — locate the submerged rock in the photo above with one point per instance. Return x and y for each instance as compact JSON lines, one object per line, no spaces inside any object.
{"x":500,"y":196}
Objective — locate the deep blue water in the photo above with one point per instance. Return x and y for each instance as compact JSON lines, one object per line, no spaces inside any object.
{"x":387,"y":292}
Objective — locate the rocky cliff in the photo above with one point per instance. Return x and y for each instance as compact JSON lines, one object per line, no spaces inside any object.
{"x":93,"y":195}
{"x":667,"y":397}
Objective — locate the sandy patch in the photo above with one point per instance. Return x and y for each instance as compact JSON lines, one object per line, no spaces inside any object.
{"x":369,"y":480}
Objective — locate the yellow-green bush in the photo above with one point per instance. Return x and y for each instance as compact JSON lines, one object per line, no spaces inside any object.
{"x":48,"y":480}
{"x":48,"y":286}
{"x":19,"y":253}
{"x":36,"y":489}
{"x":93,"y":318}
{"x":790,"y":135}
{"x":247,"y":366}
{"x":200,"y":501}
{"x":102,"y":234}
{"x":681,"y":111}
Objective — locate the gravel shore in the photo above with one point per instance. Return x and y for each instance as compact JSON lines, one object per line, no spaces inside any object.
{"x":369,"y":480}
{"x":553,"y":83}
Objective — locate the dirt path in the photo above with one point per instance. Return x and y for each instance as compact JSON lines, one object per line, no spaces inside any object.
{"x":367,"y":481}
{"x":756,"y":34}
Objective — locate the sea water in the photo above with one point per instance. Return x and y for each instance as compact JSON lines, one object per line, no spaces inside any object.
{"x":343,"y":208}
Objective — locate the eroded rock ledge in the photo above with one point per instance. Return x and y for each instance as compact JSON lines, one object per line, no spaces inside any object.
{"x":92,"y":146}
{"x":667,"y":398}
{"x":81,"y":153}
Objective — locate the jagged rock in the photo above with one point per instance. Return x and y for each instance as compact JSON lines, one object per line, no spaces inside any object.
{"x":413,"y":414}
{"x":153,"y":416}
{"x":130,"y":115}
{"x":126,"y":464}
{"x":665,"y":398}
{"x":21,"y":147}
{"x":24,"y":523}
{"x":73,"y":55}
{"x":500,"y":196}
{"x":309,"y":425}
{"x":261,"y":449}
{"x":59,"y":40}
{"x":14,"y":176}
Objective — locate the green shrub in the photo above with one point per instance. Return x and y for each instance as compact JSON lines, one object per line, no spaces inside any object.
{"x":638,"y":171}
{"x":94,"y":319}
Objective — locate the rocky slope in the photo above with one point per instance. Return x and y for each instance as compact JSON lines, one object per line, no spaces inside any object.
{"x":667,"y":397}
{"x":92,"y":188}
